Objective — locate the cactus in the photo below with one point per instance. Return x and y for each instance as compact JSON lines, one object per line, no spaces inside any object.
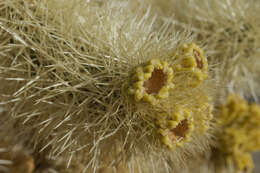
{"x":81,"y":79}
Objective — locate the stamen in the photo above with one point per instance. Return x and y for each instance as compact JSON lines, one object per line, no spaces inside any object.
{"x":198,"y":59}
{"x":155,"y":82}
{"x":181,"y":130}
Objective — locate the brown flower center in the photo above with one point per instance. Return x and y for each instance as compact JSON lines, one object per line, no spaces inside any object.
{"x":179,"y":131}
{"x":155,"y":82}
{"x":198,"y":59}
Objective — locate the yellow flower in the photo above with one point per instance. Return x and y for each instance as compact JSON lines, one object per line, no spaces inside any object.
{"x":152,"y":81}
{"x":243,"y":161}
{"x":176,"y":128}
{"x":239,"y":135}
{"x":192,"y":61}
